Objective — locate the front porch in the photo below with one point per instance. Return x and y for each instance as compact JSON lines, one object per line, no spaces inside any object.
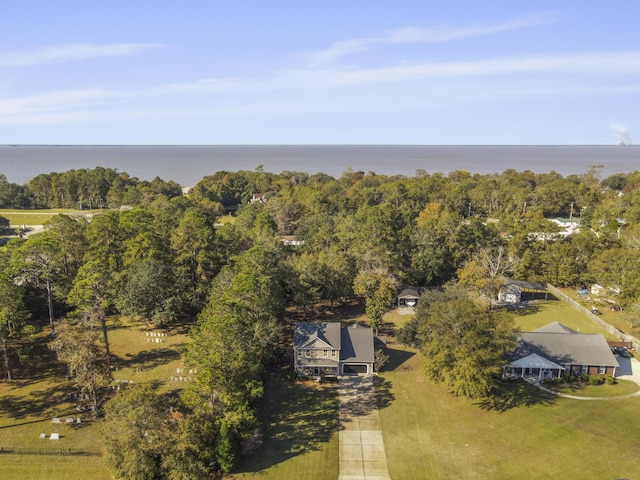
{"x":532,"y":366}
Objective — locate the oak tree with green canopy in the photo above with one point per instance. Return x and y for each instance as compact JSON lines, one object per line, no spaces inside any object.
{"x":232,"y":342}
{"x":464,"y":345}
{"x":133,"y":434}
{"x":193,"y":243}
{"x":378,"y":289}
{"x":76,"y":345}
{"x":149,"y":291}
{"x":69,"y":234}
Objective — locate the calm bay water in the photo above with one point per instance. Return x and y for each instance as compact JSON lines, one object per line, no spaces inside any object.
{"x":187,"y":164}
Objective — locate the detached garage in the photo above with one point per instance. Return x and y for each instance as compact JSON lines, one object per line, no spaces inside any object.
{"x":515,"y":291}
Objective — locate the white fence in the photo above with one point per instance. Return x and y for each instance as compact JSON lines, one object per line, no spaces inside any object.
{"x":624,"y":337}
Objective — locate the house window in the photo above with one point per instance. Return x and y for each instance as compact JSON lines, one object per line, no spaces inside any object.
{"x":602,"y":370}
{"x":585,"y":368}
{"x":333,"y":353}
{"x":299,"y":353}
{"x":325,"y":353}
{"x":307,"y":353}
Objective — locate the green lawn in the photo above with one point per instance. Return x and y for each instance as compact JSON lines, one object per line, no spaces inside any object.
{"x":543,"y":312}
{"x":623,"y":387}
{"x":300,"y":433}
{"x":28,"y":405}
{"x":527,"y":435}
{"x":524,"y":434}
{"x":35,"y":467}
{"x":38,"y":217}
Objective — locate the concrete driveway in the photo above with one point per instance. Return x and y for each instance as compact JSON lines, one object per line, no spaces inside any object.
{"x":629,"y":369}
{"x":362,"y":454}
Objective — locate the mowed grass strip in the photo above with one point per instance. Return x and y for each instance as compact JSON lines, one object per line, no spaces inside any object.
{"x":38,"y":217}
{"x":542,"y":312}
{"x":623,"y":387}
{"x":299,"y":433}
{"x":36,"y":467}
{"x":524,"y":434}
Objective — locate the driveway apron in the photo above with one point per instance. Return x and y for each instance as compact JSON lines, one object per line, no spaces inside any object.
{"x":362,"y":454}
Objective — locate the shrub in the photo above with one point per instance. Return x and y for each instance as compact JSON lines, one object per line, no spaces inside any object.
{"x":585,"y":377}
{"x":610,"y":380}
{"x":595,"y":380}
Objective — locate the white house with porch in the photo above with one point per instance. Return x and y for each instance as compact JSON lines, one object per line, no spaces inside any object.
{"x":551,"y":350}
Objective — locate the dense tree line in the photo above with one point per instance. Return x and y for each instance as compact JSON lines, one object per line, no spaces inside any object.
{"x":84,"y":188}
{"x":166,"y":258}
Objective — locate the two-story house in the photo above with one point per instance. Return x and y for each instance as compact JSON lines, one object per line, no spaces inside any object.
{"x":328,"y":348}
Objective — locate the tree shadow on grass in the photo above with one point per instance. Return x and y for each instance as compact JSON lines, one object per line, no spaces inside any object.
{"x":514,"y":394}
{"x":41,"y":362}
{"x":383,"y":394}
{"x":147,"y":359}
{"x":298,"y":418}
{"x":48,"y":403}
{"x":397,"y":358}
{"x":524,"y":309}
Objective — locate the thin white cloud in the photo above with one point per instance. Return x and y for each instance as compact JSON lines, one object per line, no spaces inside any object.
{"x":307,"y":89}
{"x":410,"y":35}
{"x":53,"y":101}
{"x":71,"y":52}
{"x":606,"y":63}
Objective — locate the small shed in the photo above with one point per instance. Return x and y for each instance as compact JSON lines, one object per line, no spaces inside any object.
{"x":408,"y":299}
{"x":515,"y":291}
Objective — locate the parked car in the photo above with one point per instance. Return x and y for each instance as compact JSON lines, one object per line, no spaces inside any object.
{"x":621,"y":352}
{"x":625,"y":353}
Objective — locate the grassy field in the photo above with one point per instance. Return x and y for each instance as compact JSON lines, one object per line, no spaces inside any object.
{"x":543,"y":312}
{"x":28,"y":405}
{"x":623,"y":387}
{"x":524,"y":434}
{"x":300,"y":433}
{"x":612,"y":317}
{"x":38,"y":217}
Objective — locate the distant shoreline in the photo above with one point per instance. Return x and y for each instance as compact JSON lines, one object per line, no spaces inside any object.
{"x":188,"y":164}
{"x":284,"y":145}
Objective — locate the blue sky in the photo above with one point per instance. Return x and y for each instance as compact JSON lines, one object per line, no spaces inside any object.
{"x":321,"y":72}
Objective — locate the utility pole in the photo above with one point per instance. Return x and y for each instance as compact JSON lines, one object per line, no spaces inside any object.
{"x":571,"y":214}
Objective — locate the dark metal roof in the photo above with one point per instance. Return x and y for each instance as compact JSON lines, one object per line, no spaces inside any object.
{"x":535,"y":286}
{"x":357,"y":344}
{"x":409,"y":292}
{"x":328,"y":332}
{"x":354,"y":342}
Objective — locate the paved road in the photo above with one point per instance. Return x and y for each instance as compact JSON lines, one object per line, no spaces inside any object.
{"x":362,"y":454}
